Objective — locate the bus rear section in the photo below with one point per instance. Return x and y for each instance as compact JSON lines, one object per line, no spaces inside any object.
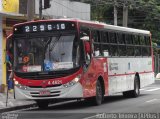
{"x":124,"y":72}
{"x":129,"y":58}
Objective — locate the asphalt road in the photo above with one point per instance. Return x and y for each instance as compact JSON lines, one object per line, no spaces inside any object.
{"x":146,"y":106}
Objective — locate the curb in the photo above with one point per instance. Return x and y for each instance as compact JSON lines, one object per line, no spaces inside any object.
{"x":17,"y":107}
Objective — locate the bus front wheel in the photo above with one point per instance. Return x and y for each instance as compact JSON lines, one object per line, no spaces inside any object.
{"x":97,"y":100}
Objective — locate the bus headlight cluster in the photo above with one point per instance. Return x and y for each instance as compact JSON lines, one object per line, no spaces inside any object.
{"x":73,"y":82}
{"x":17,"y":84}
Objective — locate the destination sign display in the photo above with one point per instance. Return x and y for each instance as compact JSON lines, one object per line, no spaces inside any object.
{"x":44,"y":27}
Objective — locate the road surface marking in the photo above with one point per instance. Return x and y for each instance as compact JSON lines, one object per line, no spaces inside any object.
{"x":90,"y":117}
{"x":151,"y":100}
{"x":154,"y":89}
{"x":149,"y":89}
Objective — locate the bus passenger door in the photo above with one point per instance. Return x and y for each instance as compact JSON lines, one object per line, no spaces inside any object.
{"x":86,"y":61}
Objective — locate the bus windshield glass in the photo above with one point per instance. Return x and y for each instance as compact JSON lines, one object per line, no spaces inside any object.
{"x":46,"y":54}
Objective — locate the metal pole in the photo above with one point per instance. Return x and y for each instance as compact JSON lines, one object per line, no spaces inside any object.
{"x":30,"y":9}
{"x":40,"y":9}
{"x":7,"y":93}
{"x":125,"y":15}
{"x":115,"y":15}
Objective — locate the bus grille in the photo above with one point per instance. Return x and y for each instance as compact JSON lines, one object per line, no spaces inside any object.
{"x":46,"y":86}
{"x":45,"y":95}
{"x":52,"y":94}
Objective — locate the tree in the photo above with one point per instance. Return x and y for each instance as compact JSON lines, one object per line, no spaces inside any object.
{"x":142,"y":14}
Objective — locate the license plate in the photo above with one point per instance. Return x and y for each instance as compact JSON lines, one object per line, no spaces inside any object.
{"x":44,"y":92}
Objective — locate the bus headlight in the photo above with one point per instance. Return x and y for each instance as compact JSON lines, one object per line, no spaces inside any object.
{"x":73,"y":82}
{"x":17,"y":84}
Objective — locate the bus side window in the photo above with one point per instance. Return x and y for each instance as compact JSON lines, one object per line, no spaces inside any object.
{"x":137,"y":51}
{"x":112,"y":37}
{"x":113,"y":45}
{"x":128,"y":39}
{"x":87,"y":49}
{"x":106,"y":50}
{"x":143,"y":48}
{"x":120,"y":38}
{"x":105,"y":37}
{"x":130,"y":50}
{"x":96,"y":42}
{"x":145,"y":51}
{"x":97,"y":50}
{"x":142,"y":40}
{"x":114,"y":50}
{"x":146,"y":48}
{"x":129,"y":45}
{"x":105,"y":44}
{"x":147,"y":41}
{"x":85,"y":38}
{"x":121,"y":44}
{"x":96,"y":36}
{"x":136,"y":40}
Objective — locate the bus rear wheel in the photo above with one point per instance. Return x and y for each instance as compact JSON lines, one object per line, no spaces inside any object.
{"x":136,"y":91}
{"x":42,"y":104}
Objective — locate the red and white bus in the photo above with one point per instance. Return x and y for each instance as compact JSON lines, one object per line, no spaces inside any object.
{"x":76,"y":59}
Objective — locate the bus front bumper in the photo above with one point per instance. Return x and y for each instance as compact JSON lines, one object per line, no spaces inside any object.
{"x":75,"y":91}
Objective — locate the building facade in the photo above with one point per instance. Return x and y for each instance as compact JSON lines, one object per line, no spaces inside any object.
{"x":65,"y":8}
{"x":9,"y":13}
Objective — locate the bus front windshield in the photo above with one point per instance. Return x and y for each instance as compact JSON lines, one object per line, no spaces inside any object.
{"x":46,"y":53}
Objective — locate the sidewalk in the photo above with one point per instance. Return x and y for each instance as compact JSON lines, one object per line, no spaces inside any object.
{"x":13,"y":104}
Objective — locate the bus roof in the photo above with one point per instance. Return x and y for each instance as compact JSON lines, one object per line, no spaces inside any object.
{"x":96,"y":24}
{"x":112,"y":27}
{"x":118,"y":28}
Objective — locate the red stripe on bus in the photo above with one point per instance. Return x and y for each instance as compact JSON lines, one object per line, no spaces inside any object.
{"x":131,"y":73}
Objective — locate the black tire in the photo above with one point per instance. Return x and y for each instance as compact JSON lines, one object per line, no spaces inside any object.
{"x":42,"y":104}
{"x":136,"y":92}
{"x":98,"y":99}
{"x":133,"y":93}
